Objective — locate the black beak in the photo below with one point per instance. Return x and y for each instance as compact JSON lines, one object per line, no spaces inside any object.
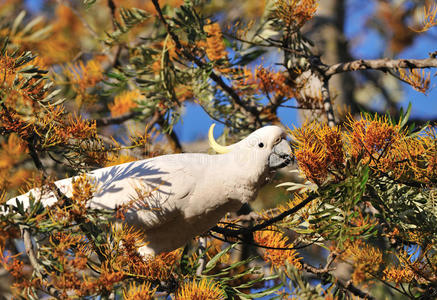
{"x":280,"y":156}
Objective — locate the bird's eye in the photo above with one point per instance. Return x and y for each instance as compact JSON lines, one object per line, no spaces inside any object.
{"x":261,"y":145}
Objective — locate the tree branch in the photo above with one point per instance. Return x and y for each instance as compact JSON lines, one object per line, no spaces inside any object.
{"x":34,"y":155}
{"x":244,"y":231}
{"x":112,"y":8}
{"x":319,"y":272}
{"x":202,"y":259}
{"x":327,"y":103}
{"x":117,"y":120}
{"x":355,"y":290}
{"x":252,"y":111}
{"x":380,"y":64}
{"x":30,"y":251}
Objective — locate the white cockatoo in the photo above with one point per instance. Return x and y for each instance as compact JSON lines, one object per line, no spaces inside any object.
{"x":186,"y":194}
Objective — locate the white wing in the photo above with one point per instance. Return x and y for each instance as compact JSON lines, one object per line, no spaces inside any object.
{"x":154,"y":188}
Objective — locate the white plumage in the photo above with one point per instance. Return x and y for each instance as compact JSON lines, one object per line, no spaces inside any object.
{"x":187,"y":193}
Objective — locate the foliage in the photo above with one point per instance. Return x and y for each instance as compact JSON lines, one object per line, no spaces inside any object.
{"x":366,"y":192}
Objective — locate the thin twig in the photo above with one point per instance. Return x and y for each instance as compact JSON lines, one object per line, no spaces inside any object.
{"x":112,"y":8}
{"x":225,"y":239}
{"x":278,"y":44}
{"x":226,"y":123}
{"x":300,"y":107}
{"x":81,"y":18}
{"x":117,"y":120}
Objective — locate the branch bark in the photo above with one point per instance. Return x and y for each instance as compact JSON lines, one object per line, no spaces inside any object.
{"x":327,"y":103}
{"x":27,"y":239}
{"x":380,"y":64}
{"x":30,"y":251}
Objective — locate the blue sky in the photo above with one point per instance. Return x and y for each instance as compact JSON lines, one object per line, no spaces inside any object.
{"x":195,"y":122}
{"x":369,"y":46}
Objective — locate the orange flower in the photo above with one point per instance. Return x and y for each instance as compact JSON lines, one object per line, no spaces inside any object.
{"x":410,"y":157}
{"x":85,"y":76}
{"x":200,"y":290}
{"x":156,"y":268}
{"x":215,"y":47}
{"x":295,"y":12}
{"x":429,"y":17}
{"x":18,"y":178}
{"x":333,"y":145}
{"x":15,"y":93}
{"x":366,"y":259}
{"x":277,"y":257}
{"x":124,"y":102}
{"x":6,"y":232}
{"x":398,"y":275}
{"x":404,"y":158}
{"x":372,"y":138}
{"x":12,"y":122}
{"x":63,"y":242}
{"x":114,"y":160}
{"x":12,"y":151}
{"x":108,"y":278}
{"x":121,"y":251}
{"x":312,"y":161}
{"x":270,"y":81}
{"x":262,"y":80}
{"x":297,"y":198}
{"x":139,"y":292}
{"x":7,"y":70}
{"x":430,"y":155}
{"x":319,"y":149}
{"x":128,"y":236}
{"x":13,"y":265}
{"x":419,"y":80}
{"x":66,"y":18}
{"x":59,"y":47}
{"x":83,"y":191}
{"x":183,"y":92}
{"x":79,"y":128}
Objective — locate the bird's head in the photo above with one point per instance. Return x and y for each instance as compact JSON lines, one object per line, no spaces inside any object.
{"x":268,"y":143}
